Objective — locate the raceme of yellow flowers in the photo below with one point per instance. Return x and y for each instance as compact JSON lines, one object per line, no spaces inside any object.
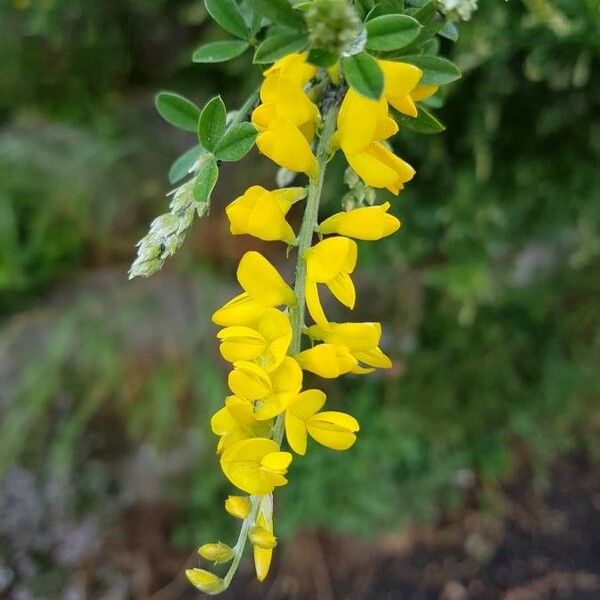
{"x":267,"y":397}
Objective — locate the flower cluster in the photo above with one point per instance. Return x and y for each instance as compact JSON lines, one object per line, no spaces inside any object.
{"x":263,"y":334}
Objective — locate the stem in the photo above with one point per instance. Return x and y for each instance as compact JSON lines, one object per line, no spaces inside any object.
{"x":309,"y":222}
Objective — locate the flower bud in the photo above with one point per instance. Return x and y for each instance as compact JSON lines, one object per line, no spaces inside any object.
{"x":205,"y":581}
{"x":262,"y":538}
{"x":238,"y":506}
{"x":218,"y":552}
{"x":332,"y":24}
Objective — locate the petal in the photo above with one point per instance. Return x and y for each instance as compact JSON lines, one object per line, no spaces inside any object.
{"x":343,"y":289}
{"x":327,"y":360}
{"x":422,"y":92}
{"x":277,"y":461}
{"x":367,"y":223}
{"x":307,"y":404}
{"x":287,"y":378}
{"x":404,"y":105}
{"x":295,"y":432}
{"x":357,"y":109}
{"x":241,"y":343}
{"x":313,"y":303}
{"x":334,"y":430}
{"x":262,"y":282}
{"x":400,"y":78}
{"x":238,"y":311}
{"x":249,"y":381}
{"x":330,"y":256}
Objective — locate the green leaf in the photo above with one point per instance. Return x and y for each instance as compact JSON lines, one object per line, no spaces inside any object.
{"x":424,"y":122}
{"x":211,"y":125}
{"x":364,"y":75}
{"x":217,"y":52}
{"x":436,"y":70}
{"x":227,"y":14}
{"x":276,"y":46}
{"x":177,"y":110}
{"x":182,"y":165}
{"x":236,"y":143}
{"x":322,"y":58}
{"x":206,"y":179}
{"x":449,"y":31}
{"x":391,"y":32}
{"x":278,"y":11}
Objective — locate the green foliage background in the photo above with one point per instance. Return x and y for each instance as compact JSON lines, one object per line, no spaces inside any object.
{"x":490,"y":294}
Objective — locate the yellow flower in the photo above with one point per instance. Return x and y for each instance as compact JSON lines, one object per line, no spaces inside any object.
{"x":263,"y":288}
{"x":330,"y":262}
{"x":333,"y":429}
{"x":366,"y":154}
{"x":269,"y":393}
{"x":266,"y":341}
{"x":238,"y":506}
{"x":400,"y":80}
{"x":218,"y":552}
{"x":205,"y":581}
{"x":367,"y":223}
{"x":328,"y":360}
{"x":236,"y":421}
{"x":264,"y":541}
{"x":361,"y":339}
{"x":285,"y":144}
{"x":262,"y":213}
{"x":256,"y":466}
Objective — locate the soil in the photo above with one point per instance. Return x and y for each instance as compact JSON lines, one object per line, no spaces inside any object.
{"x":546,"y":546}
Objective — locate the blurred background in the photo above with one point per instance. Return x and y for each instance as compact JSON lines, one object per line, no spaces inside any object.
{"x":476,"y":473}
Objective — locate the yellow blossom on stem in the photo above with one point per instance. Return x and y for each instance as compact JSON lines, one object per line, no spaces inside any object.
{"x":268,"y":393}
{"x":330,"y":262}
{"x":236,"y":421}
{"x":328,"y":360}
{"x":205,"y":581}
{"x":372,"y":161}
{"x":261,"y":213}
{"x":238,"y":506}
{"x":422,"y":92}
{"x":263,"y":288}
{"x":332,"y":429}
{"x":400,"y":81}
{"x":361,"y":340}
{"x":367,"y":223}
{"x":256,"y":466}
{"x":266,"y":341}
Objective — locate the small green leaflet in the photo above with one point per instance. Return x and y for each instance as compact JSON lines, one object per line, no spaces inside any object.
{"x":227,"y":14}
{"x":216,"y":52}
{"x":279,"y":12}
{"x":364,"y":75}
{"x":182,"y":165}
{"x":177,"y":110}
{"x":211,"y":125}
{"x":236,"y":143}
{"x":391,"y":32}
{"x":436,"y":70}
{"x":206,"y":179}
{"x":276,"y":46}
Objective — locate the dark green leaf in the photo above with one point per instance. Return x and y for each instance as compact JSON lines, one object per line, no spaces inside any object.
{"x":424,"y":122}
{"x":236,"y":143}
{"x":181,"y":167}
{"x":391,"y":32}
{"x":217,"y":52}
{"x":177,"y":110}
{"x":211,"y":125}
{"x":449,"y":31}
{"x":322,"y":58}
{"x":278,"y":11}
{"x":364,"y":75}
{"x":436,"y":70}
{"x":227,"y":14}
{"x":387,"y":7}
{"x":276,"y":46}
{"x":206,"y":179}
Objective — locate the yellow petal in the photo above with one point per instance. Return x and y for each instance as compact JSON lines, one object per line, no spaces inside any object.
{"x":295,"y":433}
{"x":249,"y":381}
{"x":307,"y":404}
{"x":333,"y":429}
{"x":205,"y":581}
{"x":240,"y":310}
{"x":422,"y":92}
{"x":404,"y":105}
{"x":327,"y":360}
{"x":217,"y":552}
{"x":287,"y":377}
{"x":263,"y":556}
{"x":367,"y":223}
{"x":329,"y":257}
{"x":262,"y":282}
{"x":241,"y":343}
{"x":278,"y":462}
{"x":313,"y":303}
{"x":400,"y":78}
{"x":342,"y":288}
{"x":259,"y":536}
{"x":285,"y":145}
{"x":238,"y":506}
